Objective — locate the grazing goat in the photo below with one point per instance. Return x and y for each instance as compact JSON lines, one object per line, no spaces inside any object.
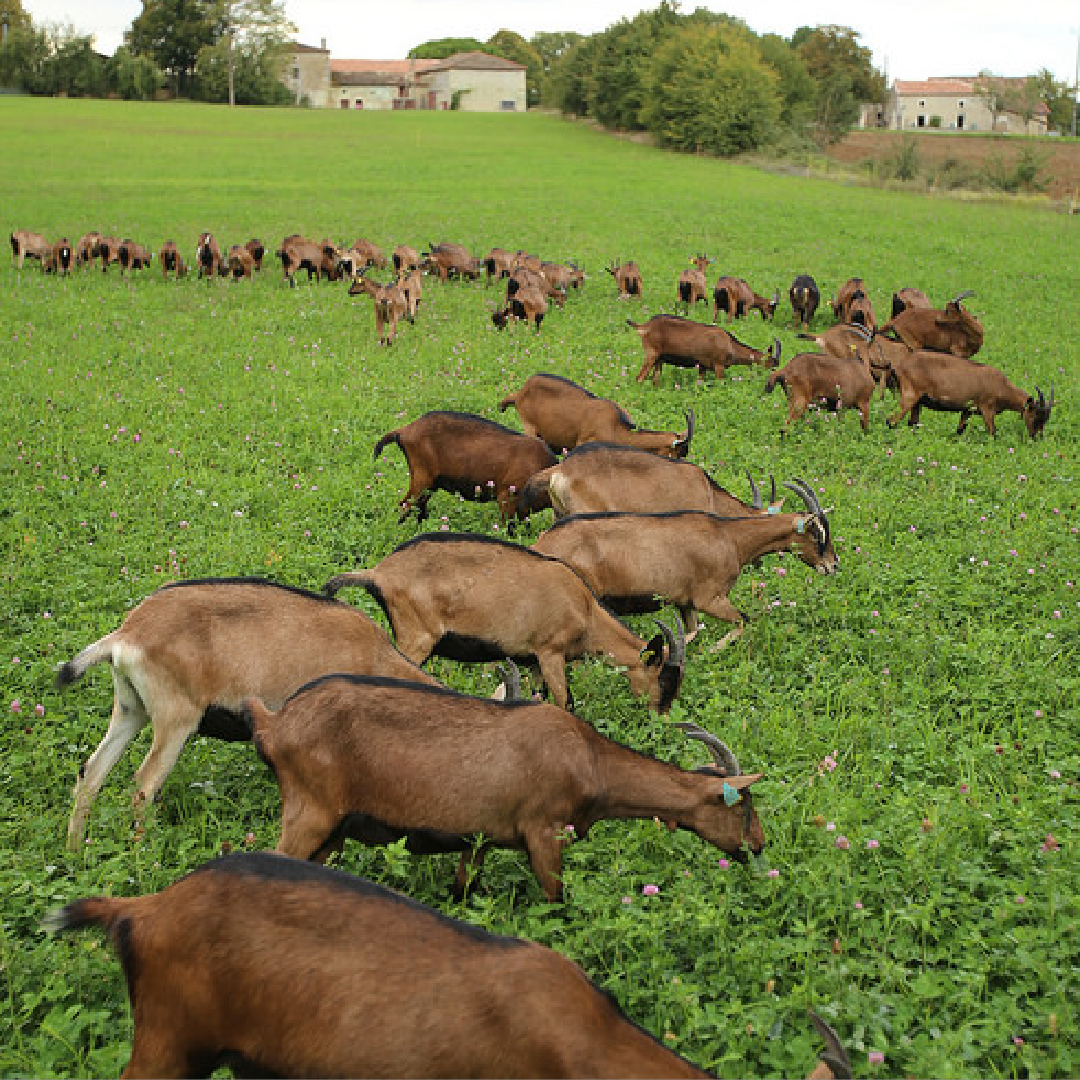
{"x":805,"y":296}
{"x":906,"y":298}
{"x":171,"y":261}
{"x":601,"y":479}
{"x":628,"y":279}
{"x":693,"y":286}
{"x":468,"y":455}
{"x":953,"y":330}
{"x":737,"y":299}
{"x":844,"y":295}
{"x":133,"y":256}
{"x":476,"y":598}
{"x":848,"y":341}
{"x":208,"y":257}
{"x":299,"y":253}
{"x":681,"y":342}
{"x":29,"y":245}
{"x":639,"y":562}
{"x":946,"y":383}
{"x":528,"y":305}
{"x":60,"y":257}
{"x":406,"y":259}
{"x":86,"y":250}
{"x":240,"y":262}
{"x":390,"y":305}
{"x":452,"y":260}
{"x":412,"y":285}
{"x":840,"y":383}
{"x":379,"y":760}
{"x":284,"y":968}
{"x":498,"y":263}
{"x":188,"y":656}
{"x":566,"y":415}
{"x":522,"y":277}
{"x":258,"y":252}
{"x":370,"y":253}
{"x":563,"y":277}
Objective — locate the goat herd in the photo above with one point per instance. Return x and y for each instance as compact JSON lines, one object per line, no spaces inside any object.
{"x":289,"y":968}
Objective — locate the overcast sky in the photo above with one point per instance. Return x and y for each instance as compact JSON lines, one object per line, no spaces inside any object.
{"x":914,"y":40}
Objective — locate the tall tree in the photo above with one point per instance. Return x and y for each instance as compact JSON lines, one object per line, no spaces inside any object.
{"x":511,"y":46}
{"x":843,"y":73}
{"x":171,"y":33}
{"x":14,"y":17}
{"x":441,"y":48}
{"x":254,"y":32}
{"x":1056,"y":96}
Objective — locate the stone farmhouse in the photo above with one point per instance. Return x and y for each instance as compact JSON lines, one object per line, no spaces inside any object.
{"x":956,"y":104}
{"x":470,"y":81}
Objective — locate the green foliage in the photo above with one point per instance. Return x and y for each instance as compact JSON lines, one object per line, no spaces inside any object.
{"x":172,"y":32}
{"x":256,"y":74}
{"x":441,"y":48}
{"x":924,"y":698}
{"x":511,"y":46}
{"x":1022,"y":173}
{"x":135,"y":78}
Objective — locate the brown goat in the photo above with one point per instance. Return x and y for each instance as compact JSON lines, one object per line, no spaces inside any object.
{"x":369,"y":252}
{"x":522,"y":277}
{"x":60,"y":257}
{"x":946,"y":383}
{"x":476,"y":598}
{"x":841,"y":384}
{"x":133,"y":256}
{"x":906,"y":298}
{"x":528,"y":305}
{"x":86,"y":250}
{"x":412,"y":285}
{"x":844,"y":295}
{"x":390,"y":305}
{"x":258,"y":252}
{"x":562,"y":276}
{"x":208,"y":257}
{"x":383,"y":759}
{"x":601,"y":479}
{"x":171,"y":261}
{"x":108,"y":252}
{"x":29,"y":245}
{"x":566,"y":415}
{"x":640,"y":562}
{"x":953,"y":330}
{"x":498,"y":263}
{"x":449,"y":260}
{"x":628,"y":279}
{"x":240,"y":262}
{"x":406,"y":259}
{"x":737,"y":299}
{"x":187,"y":657}
{"x":681,"y":342}
{"x":805,"y":296}
{"x":284,"y":968}
{"x":299,"y":253}
{"x":468,"y":455}
{"x":847,"y":342}
{"x":692,"y":287}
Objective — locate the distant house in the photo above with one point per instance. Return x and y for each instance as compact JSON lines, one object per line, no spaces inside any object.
{"x":960,"y":104}
{"x":471,"y":81}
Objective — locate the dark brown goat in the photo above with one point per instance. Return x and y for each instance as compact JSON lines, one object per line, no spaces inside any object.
{"x":171,"y":261}
{"x":390,"y":305}
{"x":805,"y":296}
{"x":693,"y":287}
{"x":566,"y":415}
{"x":188,"y":656}
{"x":640,"y":562}
{"x":60,"y":258}
{"x":208,"y":257}
{"x":108,"y":252}
{"x":299,"y":253}
{"x":382,"y":759}
{"x":844,"y":295}
{"x":953,"y":330}
{"x":448,"y":260}
{"x":86,"y":250}
{"x":875,"y":352}
{"x":475,"y":598}
{"x":469,"y":455}
{"x":737,"y":299}
{"x":284,"y":968}
{"x":601,"y":479}
{"x":258,"y":252}
{"x":906,"y":298}
{"x":946,"y":383}
{"x":240,"y":262}
{"x":841,"y":384}
{"x":133,"y":256}
{"x":528,"y":305}
{"x":672,"y":339}
{"x":628,"y":279}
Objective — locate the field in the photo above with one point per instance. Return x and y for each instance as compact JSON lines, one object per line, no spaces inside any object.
{"x":916,"y":715}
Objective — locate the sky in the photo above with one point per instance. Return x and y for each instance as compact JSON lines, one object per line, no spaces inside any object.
{"x":915,"y":40}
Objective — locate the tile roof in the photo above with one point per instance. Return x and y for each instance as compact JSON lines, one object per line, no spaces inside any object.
{"x":475,"y":61}
{"x":382,"y":67}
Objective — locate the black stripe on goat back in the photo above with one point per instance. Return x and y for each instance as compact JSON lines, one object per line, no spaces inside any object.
{"x":403,"y":684}
{"x":633,"y":515}
{"x":472,"y":417}
{"x":471,"y":538}
{"x":296,"y":590}
{"x":269,"y":866}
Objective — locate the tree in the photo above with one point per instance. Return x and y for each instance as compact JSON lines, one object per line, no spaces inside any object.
{"x":441,"y":48}
{"x":843,"y":75}
{"x":171,"y":33}
{"x":511,"y":46}
{"x":134,"y":78}
{"x":550,"y":46}
{"x":798,"y":91}
{"x":14,"y":16}
{"x":22,"y":60}
{"x":1056,"y":96}
{"x":259,"y":31}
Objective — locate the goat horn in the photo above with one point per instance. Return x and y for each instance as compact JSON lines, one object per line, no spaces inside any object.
{"x":834,"y":1054}
{"x":861,"y":331}
{"x":754,"y":489}
{"x":1050,"y":403}
{"x":962,"y":296}
{"x":689,"y":428}
{"x":511,"y":678}
{"x":806,"y":493}
{"x":676,"y":642}
{"x":720,"y":751}
{"x":772,"y":484}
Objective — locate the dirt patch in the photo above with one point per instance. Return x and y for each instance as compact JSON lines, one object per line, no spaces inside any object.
{"x":1060,"y":159}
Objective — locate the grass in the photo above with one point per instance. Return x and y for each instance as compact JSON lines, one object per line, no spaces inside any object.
{"x":916,"y":716}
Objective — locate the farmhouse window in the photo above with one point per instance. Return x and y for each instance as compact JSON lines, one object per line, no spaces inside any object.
{"x":920,"y":120}
{"x":507,"y":106}
{"x":358,"y":103}
{"x":960,"y":120}
{"x":296,"y":72}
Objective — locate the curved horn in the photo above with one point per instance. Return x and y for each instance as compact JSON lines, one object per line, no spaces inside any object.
{"x":774,"y":353}
{"x":860,"y":330}
{"x":754,"y":489}
{"x":684,"y":443}
{"x":1050,"y":403}
{"x":772,"y":484}
{"x":834,"y":1054}
{"x":720,"y":751}
{"x":806,"y":493}
{"x":676,"y":642}
{"x":511,"y":679}
{"x":962,"y":296}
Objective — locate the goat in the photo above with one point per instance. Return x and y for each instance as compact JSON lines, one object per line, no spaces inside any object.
{"x":469,"y":455}
{"x":406,"y":259}
{"x":189,"y":654}
{"x":906,"y":298}
{"x":331,"y":255}
{"x":693,"y":287}
{"x":171,"y":261}
{"x":29,"y":245}
{"x":293,"y":969}
{"x":86,"y":250}
{"x":133,"y":256}
{"x":298,"y":253}
{"x":351,"y":263}
{"x":474,"y":598}
{"x":240,"y":262}
{"x":639,"y":562}
{"x":737,"y":299}
{"x":598,"y":478}
{"x":108,"y":252}
{"x":412,"y":285}
{"x":383,"y":759}
{"x":563,"y":277}
{"x":566,"y":415}
{"x":805,"y":296}
{"x":258,"y":251}
{"x":370,"y":253}
{"x":448,"y":260}
{"x":672,"y":339}
{"x":844,"y":295}
{"x":522,"y":260}
{"x":208,"y":257}
{"x":390,"y":305}
{"x":848,"y":341}
{"x":953,"y":330}
{"x":497,"y":265}
{"x":628,"y":279}
{"x":807,"y":377}
{"x":60,"y":257}
{"x":528,"y":305}
{"x":944,"y":382}
{"x":521,"y":277}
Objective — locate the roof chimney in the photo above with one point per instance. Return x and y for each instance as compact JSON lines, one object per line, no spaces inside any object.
{"x":322,"y":44}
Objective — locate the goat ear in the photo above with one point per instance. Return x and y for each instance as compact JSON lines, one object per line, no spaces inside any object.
{"x":741,"y":783}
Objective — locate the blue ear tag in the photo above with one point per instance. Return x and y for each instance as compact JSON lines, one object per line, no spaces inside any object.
{"x":731,"y":796}
{"x":800,"y":525}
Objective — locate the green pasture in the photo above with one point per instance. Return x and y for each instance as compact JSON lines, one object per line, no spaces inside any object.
{"x":916,"y":715}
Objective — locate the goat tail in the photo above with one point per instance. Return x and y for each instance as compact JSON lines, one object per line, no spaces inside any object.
{"x":510,"y":399}
{"x":381,"y":445}
{"x":360,"y":579}
{"x":103,"y":911}
{"x":99,"y":653}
